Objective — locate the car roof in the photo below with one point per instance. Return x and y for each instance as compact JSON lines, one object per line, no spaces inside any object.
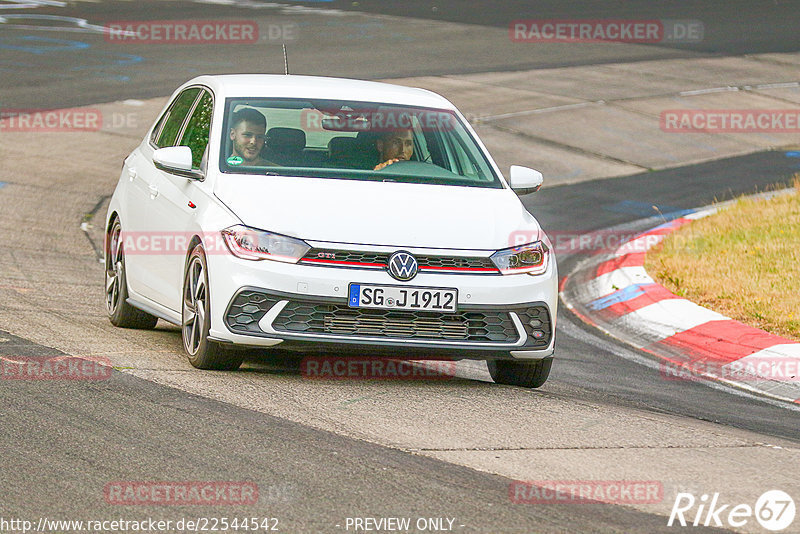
{"x":296,"y":86}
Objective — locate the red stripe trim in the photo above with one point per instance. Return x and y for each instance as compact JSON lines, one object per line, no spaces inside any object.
{"x":422,"y":268}
{"x":332,"y":262}
{"x":481,"y":269}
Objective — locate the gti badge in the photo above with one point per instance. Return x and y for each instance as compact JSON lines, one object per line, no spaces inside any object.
{"x":402,"y":266}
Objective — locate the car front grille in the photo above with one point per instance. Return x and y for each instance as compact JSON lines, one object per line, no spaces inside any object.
{"x":311,"y":317}
{"x":334,"y":319}
{"x":379,"y":260}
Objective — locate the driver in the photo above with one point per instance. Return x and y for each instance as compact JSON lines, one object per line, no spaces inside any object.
{"x":394,"y":146}
{"x":248,"y":133}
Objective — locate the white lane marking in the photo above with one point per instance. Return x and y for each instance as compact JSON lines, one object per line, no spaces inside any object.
{"x":29,"y":4}
{"x":777,"y":85}
{"x":73,"y":24}
{"x":284,"y":8}
{"x":537,"y":111}
{"x":708,"y":91}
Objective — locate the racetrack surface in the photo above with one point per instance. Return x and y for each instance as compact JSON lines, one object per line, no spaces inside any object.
{"x":322,"y":451}
{"x":731,"y":26}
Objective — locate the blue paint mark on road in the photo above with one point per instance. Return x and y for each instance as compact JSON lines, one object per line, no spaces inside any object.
{"x":624,"y":294}
{"x":2,"y":185}
{"x":52,"y":45}
{"x":123,"y":60}
{"x":116,"y":78}
{"x":46,"y":46}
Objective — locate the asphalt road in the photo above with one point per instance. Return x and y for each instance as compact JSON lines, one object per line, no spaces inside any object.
{"x":731,"y":26}
{"x":70,"y":439}
{"x":81,"y":65}
{"x":322,"y":452}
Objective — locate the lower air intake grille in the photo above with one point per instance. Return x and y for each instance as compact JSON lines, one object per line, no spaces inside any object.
{"x":484,"y":326}
{"x":246,"y":311}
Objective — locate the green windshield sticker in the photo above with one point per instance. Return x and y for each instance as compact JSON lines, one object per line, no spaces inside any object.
{"x":235,"y":160}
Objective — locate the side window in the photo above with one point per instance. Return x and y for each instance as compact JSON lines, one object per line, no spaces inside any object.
{"x":170,"y":124}
{"x":197,"y":129}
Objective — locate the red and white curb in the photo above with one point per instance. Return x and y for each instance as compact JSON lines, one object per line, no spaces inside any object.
{"x":614,"y":293}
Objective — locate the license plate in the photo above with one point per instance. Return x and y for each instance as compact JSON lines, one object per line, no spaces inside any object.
{"x":403,"y":298}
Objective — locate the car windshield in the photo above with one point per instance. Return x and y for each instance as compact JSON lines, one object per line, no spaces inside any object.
{"x":351,"y":140}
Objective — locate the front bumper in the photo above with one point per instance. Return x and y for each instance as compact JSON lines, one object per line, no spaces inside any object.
{"x":299,"y":307}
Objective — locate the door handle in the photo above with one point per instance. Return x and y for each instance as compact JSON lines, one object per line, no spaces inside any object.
{"x":153,"y":191}
{"x":131,"y":174}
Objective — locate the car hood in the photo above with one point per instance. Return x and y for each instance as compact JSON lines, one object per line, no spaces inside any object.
{"x":379,"y":213}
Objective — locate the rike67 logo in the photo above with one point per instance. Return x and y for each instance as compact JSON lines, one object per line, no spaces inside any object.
{"x":774,"y":510}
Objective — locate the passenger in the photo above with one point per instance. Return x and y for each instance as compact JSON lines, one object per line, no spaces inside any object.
{"x":248,"y":133}
{"x":394,"y":146}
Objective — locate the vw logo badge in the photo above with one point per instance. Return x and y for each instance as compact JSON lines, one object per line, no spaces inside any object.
{"x":402,"y":266}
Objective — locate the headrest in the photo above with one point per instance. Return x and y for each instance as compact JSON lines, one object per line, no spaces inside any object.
{"x":341,"y":145}
{"x":289,"y":139}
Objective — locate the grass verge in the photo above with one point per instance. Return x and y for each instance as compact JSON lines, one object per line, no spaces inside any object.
{"x":743,"y":262}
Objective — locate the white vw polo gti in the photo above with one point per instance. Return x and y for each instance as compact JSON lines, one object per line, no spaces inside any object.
{"x":329,"y":215}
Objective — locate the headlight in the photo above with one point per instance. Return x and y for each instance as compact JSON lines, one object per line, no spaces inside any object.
{"x":531,"y":259}
{"x":251,"y":244}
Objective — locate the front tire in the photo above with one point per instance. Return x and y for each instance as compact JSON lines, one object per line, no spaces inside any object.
{"x":196,"y":319}
{"x":120,"y":313}
{"x":530,"y":374}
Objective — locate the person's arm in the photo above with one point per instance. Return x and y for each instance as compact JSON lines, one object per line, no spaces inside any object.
{"x":380,"y":166}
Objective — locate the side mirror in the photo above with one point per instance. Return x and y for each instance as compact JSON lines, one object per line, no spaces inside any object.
{"x":524,"y":180}
{"x":176,"y":160}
